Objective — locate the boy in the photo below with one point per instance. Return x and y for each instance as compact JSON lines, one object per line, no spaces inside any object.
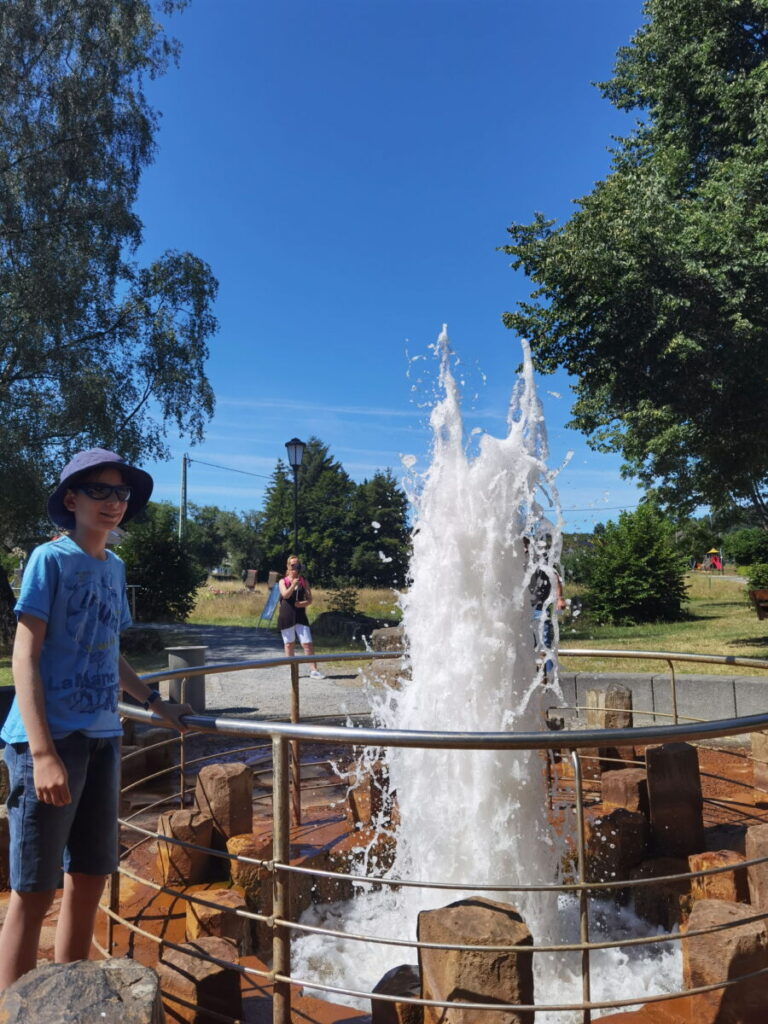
{"x":63,"y":730}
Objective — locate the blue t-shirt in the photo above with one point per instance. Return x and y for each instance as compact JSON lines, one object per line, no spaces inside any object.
{"x":83,"y":601}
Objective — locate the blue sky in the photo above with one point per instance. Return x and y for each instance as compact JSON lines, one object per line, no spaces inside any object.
{"x":349,"y":168}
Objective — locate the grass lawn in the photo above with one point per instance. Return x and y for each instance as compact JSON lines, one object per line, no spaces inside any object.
{"x":719,"y":620}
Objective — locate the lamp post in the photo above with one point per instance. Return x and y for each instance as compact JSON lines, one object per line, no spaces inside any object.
{"x":295,"y":449}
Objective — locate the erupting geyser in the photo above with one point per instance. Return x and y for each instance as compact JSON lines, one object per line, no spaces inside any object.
{"x":470,"y":818}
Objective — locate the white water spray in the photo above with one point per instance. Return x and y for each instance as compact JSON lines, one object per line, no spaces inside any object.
{"x":469,"y":818}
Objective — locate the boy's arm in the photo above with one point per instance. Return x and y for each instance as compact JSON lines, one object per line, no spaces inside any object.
{"x":49,"y":774}
{"x":172,"y":713}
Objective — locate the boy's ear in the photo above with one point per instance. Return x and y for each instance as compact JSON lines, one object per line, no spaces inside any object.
{"x":68,"y":501}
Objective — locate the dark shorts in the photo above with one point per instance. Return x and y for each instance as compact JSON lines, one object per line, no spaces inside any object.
{"x":78,"y":838}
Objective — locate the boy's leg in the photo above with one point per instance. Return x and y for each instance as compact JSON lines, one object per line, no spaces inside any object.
{"x":20,"y":934}
{"x":91,"y":853}
{"x":77,"y":916}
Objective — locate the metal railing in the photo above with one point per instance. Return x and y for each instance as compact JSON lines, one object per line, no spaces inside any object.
{"x":284,"y":738}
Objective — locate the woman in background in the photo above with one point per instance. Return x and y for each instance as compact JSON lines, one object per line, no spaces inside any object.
{"x":295,"y":598}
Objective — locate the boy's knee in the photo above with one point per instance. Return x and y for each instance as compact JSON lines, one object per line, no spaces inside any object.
{"x":34,"y":904}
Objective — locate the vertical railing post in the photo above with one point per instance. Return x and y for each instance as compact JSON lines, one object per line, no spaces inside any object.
{"x":586,"y":990}
{"x":295,"y":752}
{"x":674,"y":688}
{"x":281,"y":891}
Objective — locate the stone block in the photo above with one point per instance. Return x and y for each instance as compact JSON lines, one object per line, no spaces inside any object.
{"x":159,"y":755}
{"x":369,"y":800}
{"x":727,"y":954}
{"x":590,"y":764}
{"x":609,"y":708}
{"x":675,"y":800}
{"x":755,"y":846}
{"x":726,"y":885}
{"x":469,"y":976}
{"x":760,"y":760}
{"x":388,"y":638}
{"x":118,"y":991}
{"x":662,"y":903}
{"x":727,"y":836}
{"x":133,"y":764}
{"x":403,"y":980}
{"x":225,"y":793}
{"x":255,"y":881}
{"x":182,"y":865}
{"x":222,"y":920}
{"x":186,"y":976}
{"x":627,"y":788}
{"x":389,"y":673}
{"x":614,"y":759}
{"x":617,"y":841}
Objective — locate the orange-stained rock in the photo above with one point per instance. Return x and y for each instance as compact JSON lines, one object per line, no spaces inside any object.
{"x":222,"y":920}
{"x":675,"y":800}
{"x":243,"y":873}
{"x":475,"y":976}
{"x":186,"y":975}
{"x":225,"y":793}
{"x":728,"y":954}
{"x":403,"y":980}
{"x":662,"y":903}
{"x":726,"y":885}
{"x":627,"y":788}
{"x":617,"y":841}
{"x":180,"y":864}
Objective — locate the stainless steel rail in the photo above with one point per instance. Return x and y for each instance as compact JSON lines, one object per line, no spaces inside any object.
{"x":284,"y":738}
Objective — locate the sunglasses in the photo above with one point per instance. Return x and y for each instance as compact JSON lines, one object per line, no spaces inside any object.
{"x":104,"y":492}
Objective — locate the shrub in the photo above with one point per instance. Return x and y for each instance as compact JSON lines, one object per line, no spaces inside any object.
{"x":757,"y":578}
{"x":343,"y":598}
{"x":634,"y":574}
{"x":746,"y":547}
{"x":158,"y":563}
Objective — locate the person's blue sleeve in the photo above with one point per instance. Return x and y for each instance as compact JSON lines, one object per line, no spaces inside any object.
{"x":38,"y":584}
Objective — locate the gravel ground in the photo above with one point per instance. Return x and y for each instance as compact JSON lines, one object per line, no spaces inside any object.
{"x":266,"y":692}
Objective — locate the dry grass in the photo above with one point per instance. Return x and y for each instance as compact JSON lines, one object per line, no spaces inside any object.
{"x":227,"y":602}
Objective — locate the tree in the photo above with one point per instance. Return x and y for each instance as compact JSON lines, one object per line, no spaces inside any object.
{"x":633,"y":572}
{"x":214,"y":535}
{"x":95,"y":349}
{"x":379,"y":513}
{"x":158,"y":563}
{"x":337,"y":540}
{"x":653,"y":293}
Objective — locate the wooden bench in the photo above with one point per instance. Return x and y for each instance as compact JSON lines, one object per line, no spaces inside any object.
{"x":759,"y":599}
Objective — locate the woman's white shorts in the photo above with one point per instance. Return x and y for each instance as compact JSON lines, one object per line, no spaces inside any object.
{"x":300,"y":632}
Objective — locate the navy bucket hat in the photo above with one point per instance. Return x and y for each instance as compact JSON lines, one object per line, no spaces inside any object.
{"x":141,"y":484}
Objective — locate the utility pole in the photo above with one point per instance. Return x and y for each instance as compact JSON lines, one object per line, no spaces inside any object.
{"x":183,"y":497}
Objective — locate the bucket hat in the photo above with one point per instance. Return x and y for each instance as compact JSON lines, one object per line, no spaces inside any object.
{"x":141,"y":484}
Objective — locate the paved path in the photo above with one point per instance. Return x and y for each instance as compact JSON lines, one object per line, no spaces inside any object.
{"x":266,"y":693}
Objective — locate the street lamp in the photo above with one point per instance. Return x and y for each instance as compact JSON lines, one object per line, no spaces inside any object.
{"x":295,"y":449}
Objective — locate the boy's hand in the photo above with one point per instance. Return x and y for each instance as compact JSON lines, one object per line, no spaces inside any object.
{"x":172,"y":713}
{"x":51,"y":780}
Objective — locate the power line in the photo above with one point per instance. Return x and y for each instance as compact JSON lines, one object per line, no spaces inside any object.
{"x":229,"y":469}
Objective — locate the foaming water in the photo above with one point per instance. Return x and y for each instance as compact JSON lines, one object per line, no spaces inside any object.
{"x":470,"y":818}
